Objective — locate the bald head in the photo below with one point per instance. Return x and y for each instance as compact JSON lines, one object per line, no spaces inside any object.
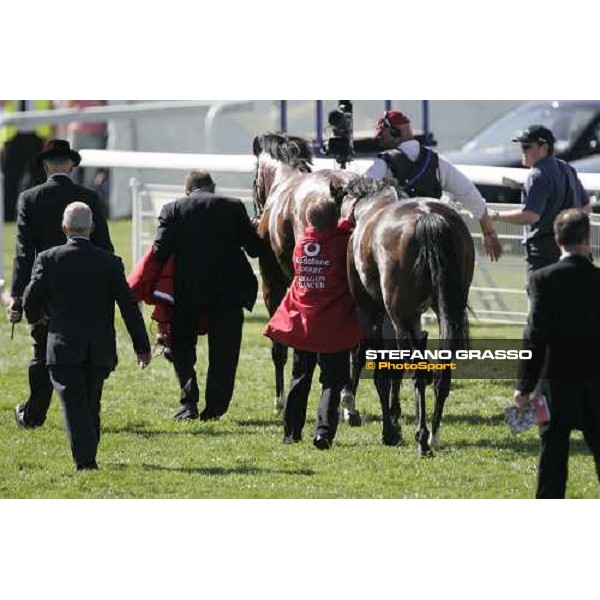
{"x":77,"y":220}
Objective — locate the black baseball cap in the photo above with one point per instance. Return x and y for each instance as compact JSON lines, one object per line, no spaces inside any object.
{"x":535,"y":133}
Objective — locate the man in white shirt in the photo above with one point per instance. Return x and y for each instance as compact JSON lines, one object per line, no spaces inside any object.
{"x":421,"y":172}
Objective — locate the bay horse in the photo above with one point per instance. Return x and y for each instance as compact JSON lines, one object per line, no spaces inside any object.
{"x":283,"y":186}
{"x":403,"y":258}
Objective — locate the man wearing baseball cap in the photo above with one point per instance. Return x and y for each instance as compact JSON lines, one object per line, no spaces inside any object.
{"x":551,"y":187}
{"x":421,"y":172}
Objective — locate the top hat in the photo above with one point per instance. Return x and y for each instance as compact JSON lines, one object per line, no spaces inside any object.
{"x":59,"y":149}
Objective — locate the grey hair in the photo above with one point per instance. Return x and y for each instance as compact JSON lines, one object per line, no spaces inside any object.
{"x":77,"y":219}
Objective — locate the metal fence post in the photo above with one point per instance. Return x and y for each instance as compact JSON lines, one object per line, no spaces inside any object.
{"x":426,"y":134}
{"x":136,"y":216}
{"x":1,"y":235}
{"x":319,"y":117}
{"x":283,"y":121}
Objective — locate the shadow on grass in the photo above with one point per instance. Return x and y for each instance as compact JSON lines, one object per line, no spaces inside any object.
{"x":494,"y":420}
{"x":516,"y":444}
{"x":259,"y":422}
{"x":150,"y":433}
{"x":242,"y":470}
{"x":475,"y":420}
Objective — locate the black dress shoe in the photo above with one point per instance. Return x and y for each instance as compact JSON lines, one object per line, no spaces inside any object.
{"x":187,"y":412}
{"x":20,"y":418}
{"x":209,"y":415}
{"x":290,"y":439}
{"x":322,"y":442}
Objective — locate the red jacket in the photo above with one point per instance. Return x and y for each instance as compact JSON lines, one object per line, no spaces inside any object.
{"x":318,"y":313}
{"x":152,"y":283}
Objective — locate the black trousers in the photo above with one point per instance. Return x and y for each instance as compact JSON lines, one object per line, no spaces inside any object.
{"x":20,"y":169}
{"x":554,"y":454}
{"x":40,"y":386}
{"x":224,"y":340}
{"x":541,"y":252}
{"x":335,"y":374}
{"x":80,"y":390}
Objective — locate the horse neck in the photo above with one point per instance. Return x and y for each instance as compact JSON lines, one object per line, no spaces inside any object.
{"x":274,"y":172}
{"x":282,"y":173}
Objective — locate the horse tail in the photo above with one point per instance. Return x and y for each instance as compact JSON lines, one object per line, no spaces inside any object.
{"x":439,"y":254}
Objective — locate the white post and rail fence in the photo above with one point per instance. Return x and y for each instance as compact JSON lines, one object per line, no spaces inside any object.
{"x":497,"y":294}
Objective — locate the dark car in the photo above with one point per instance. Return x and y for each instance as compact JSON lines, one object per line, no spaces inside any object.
{"x":590,"y":164}
{"x":575,"y":124}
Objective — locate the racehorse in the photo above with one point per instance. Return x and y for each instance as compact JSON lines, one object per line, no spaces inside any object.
{"x":405,"y":257}
{"x":283,"y":186}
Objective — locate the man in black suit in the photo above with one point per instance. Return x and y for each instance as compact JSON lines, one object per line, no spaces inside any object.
{"x":74,"y":287}
{"x":564,"y":320}
{"x":40,"y":213}
{"x":206,"y":232}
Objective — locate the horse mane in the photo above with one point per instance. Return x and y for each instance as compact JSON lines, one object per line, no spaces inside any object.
{"x":362,"y":187}
{"x":288,"y":149}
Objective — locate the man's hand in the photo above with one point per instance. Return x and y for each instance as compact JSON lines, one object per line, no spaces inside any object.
{"x":492,"y":245}
{"x":520,"y":398}
{"x":144,"y":359}
{"x":14,"y":311}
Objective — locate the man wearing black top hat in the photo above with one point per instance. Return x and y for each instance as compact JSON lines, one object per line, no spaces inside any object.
{"x":39,"y":227}
{"x":551,"y":187}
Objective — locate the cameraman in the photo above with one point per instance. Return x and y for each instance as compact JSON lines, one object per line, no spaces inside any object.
{"x":421,"y":172}
{"x":339,"y":144}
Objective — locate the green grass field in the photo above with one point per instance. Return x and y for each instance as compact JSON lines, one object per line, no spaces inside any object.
{"x":144,"y":454}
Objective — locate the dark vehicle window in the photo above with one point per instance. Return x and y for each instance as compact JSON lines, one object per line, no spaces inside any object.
{"x":594,"y":140}
{"x":566,"y":121}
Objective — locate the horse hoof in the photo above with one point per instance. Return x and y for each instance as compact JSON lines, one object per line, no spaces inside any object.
{"x":434,"y":441}
{"x":392,"y":439}
{"x":347,"y":400}
{"x":278,"y":404}
{"x":426,"y":453}
{"x":353,"y":418}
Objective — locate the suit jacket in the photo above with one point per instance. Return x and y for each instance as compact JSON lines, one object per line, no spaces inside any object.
{"x":206,"y":233}
{"x":76,"y":286}
{"x":39,"y":223}
{"x":565,"y":320}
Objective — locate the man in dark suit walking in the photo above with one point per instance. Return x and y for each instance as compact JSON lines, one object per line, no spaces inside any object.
{"x":74,"y":287}
{"x":40,"y":213}
{"x":207,"y":232}
{"x":564,"y":320}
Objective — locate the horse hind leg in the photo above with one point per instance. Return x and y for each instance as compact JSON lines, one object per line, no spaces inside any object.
{"x":392,"y":432}
{"x":420,"y":385}
{"x":441,"y":385}
{"x":279,"y":354}
{"x":348,"y":396}
{"x":396,"y":407}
